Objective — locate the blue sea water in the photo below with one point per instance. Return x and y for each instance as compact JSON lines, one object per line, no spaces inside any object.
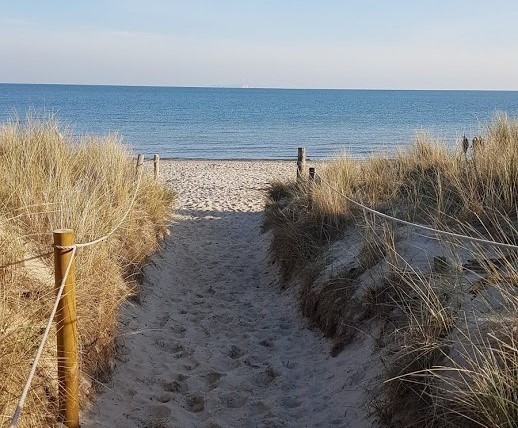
{"x":226,"y":123}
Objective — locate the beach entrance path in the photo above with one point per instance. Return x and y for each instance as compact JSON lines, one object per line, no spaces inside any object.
{"x":214,"y":340}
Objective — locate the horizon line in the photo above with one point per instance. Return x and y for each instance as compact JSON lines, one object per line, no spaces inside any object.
{"x":245,"y":87}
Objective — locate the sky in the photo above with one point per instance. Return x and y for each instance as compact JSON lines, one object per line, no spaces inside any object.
{"x":356,"y":44}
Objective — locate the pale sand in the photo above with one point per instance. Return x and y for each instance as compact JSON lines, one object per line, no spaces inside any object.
{"x":215,"y":341}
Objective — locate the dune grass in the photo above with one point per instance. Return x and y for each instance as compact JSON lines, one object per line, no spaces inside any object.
{"x":50,"y":180}
{"x":450,"y":328}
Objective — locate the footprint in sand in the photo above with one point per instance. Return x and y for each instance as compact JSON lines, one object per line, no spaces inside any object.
{"x":212,"y":379}
{"x":223,"y":362}
{"x":265,"y":378}
{"x":358,"y":376}
{"x":182,"y":354}
{"x":267,"y":343}
{"x":235,"y":352}
{"x":179,"y":329}
{"x":170,"y":347}
{"x":195,"y":403}
{"x":159,"y":411}
{"x":190,"y":363}
{"x":178,"y":386}
{"x":234,"y":400}
{"x":165,"y":397}
{"x":163,"y":320}
{"x":290,"y":402}
{"x":260,"y":407}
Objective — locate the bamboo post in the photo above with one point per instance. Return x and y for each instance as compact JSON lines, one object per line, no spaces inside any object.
{"x":301,"y":163}
{"x":66,"y":325}
{"x":156,"y":165}
{"x":140,"y":162}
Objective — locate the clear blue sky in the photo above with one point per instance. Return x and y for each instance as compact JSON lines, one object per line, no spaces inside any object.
{"x":455,"y":44}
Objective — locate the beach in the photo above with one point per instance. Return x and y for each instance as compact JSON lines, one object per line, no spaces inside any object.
{"x":213,"y":339}
{"x":259,"y":216}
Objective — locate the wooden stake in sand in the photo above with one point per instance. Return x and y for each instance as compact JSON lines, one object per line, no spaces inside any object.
{"x":156,"y":165}
{"x":140,"y":162}
{"x":66,"y":320}
{"x":301,"y":163}
{"x":311,"y":174}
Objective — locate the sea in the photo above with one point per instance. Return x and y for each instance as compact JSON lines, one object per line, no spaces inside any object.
{"x":249,"y":123}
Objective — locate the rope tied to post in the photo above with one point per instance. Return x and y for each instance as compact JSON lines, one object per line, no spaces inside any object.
{"x":73,"y":248}
{"x":23,"y":397}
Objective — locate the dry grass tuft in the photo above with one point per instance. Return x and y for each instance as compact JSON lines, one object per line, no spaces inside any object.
{"x":50,"y":180}
{"x":449,"y":336}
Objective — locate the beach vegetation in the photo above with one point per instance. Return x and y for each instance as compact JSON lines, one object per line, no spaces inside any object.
{"x":51,"y":179}
{"x":442,"y":311}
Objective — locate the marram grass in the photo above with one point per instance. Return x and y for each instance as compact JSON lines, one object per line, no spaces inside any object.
{"x":450,"y":332}
{"x":50,"y":180}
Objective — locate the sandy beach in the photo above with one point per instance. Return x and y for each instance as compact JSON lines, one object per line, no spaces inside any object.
{"x":214,"y":340}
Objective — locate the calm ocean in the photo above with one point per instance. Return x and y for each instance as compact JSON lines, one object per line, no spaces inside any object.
{"x":218,"y":123}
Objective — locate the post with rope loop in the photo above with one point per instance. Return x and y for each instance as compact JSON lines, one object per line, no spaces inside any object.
{"x":66,"y":326}
{"x":301,"y":163}
{"x":156,"y":165}
{"x":140,"y":162}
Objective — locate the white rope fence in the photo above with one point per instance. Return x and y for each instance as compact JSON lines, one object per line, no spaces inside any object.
{"x":73,"y":248}
{"x":417,"y":225}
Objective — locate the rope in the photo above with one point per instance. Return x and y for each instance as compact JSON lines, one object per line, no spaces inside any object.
{"x":110,"y":233}
{"x":74,"y":248}
{"x":25,"y":391}
{"x":420,"y":226}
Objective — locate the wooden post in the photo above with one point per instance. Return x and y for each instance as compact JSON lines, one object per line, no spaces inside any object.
{"x":301,"y":163}
{"x":140,"y":162}
{"x":311,"y":186}
{"x":312,"y":174}
{"x":66,"y":326}
{"x":156,"y":162}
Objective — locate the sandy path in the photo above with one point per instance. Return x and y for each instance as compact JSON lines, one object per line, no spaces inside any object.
{"x":215,"y":342}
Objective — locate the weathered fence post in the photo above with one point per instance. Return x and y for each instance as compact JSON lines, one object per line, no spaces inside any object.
{"x":301,"y":163}
{"x":312,"y":174}
{"x":156,"y":165}
{"x":140,"y":162}
{"x":66,"y":326}
{"x":311,"y":186}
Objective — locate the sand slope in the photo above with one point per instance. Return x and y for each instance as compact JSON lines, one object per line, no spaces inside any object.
{"x":215,"y":341}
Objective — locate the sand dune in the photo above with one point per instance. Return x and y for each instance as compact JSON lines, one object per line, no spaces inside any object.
{"x":215,"y":341}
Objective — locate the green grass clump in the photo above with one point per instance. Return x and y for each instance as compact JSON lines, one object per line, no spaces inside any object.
{"x":51,"y":180}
